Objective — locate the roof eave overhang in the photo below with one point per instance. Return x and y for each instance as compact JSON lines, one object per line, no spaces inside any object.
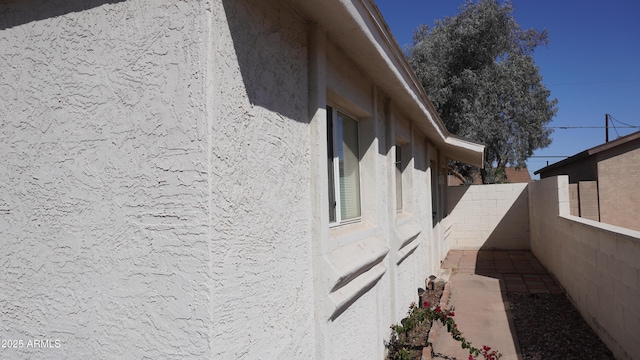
{"x":592,"y":151}
{"x":360,"y":30}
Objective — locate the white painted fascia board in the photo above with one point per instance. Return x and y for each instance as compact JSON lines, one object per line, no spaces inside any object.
{"x":396,"y":63}
{"x":471,"y":147}
{"x":360,"y":30}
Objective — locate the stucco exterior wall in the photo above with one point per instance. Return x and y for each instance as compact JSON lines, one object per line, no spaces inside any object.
{"x":386,"y":251}
{"x":596,"y":263}
{"x":489,"y":217}
{"x":618,"y":189}
{"x":104,"y":179}
{"x":262,"y":299}
{"x":372,"y":267}
{"x":163,"y":185}
{"x":145,"y":192}
{"x":421,"y":208}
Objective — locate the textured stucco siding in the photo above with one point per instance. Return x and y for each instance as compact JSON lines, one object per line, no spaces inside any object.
{"x":406,"y":281}
{"x":104,"y":217}
{"x":396,"y":245}
{"x":163,"y":184}
{"x":348,"y":87}
{"x":421,"y":210}
{"x":262,"y":299}
{"x":355,"y":332}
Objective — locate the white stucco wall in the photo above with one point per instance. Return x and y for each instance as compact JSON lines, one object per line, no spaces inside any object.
{"x":489,"y":217}
{"x":163,"y":191}
{"x":597,"y":264}
{"x":104,"y":179}
{"x":261,"y":271}
{"x":369,"y":271}
{"x":154,"y":186}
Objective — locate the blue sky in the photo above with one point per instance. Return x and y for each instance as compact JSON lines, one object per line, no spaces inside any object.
{"x":591,"y":65}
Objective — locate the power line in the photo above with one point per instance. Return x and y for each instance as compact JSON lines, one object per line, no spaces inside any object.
{"x":614,"y":128}
{"x":594,"y":82}
{"x":611,"y":117}
{"x":550,"y":156}
{"x":590,"y":127}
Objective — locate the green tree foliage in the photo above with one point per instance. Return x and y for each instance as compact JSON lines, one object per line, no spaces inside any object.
{"x":478,"y":70}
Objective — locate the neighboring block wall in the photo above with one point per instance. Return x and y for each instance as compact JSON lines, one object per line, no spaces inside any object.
{"x":619,"y":190}
{"x":597,"y":264}
{"x":583,"y":198}
{"x":489,"y":217}
{"x":574,"y":198}
{"x":588,"y":200}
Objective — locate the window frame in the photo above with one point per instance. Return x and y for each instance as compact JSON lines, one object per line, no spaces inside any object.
{"x":398,"y":162}
{"x":333,"y":167}
{"x":403,"y":183}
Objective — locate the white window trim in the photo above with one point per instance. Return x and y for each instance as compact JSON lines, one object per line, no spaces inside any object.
{"x":336,"y":169}
{"x":398,"y":147}
{"x":404,"y":146}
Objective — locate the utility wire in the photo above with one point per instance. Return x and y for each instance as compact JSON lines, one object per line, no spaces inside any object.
{"x":614,"y":127}
{"x":594,"y":82}
{"x":589,"y":127}
{"x":611,"y":117}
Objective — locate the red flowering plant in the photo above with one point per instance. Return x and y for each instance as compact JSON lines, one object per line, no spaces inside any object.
{"x":445,"y":317}
{"x":398,"y":343}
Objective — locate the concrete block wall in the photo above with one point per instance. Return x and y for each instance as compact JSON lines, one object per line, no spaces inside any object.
{"x":588,"y":200}
{"x":597,"y":264}
{"x":618,"y":187}
{"x":574,"y":199}
{"x":488,"y":217}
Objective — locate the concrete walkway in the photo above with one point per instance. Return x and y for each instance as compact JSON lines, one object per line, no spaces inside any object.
{"x":479,"y":283}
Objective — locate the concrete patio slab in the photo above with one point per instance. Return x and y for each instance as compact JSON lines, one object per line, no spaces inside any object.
{"x":481,"y":315}
{"x":479,"y":283}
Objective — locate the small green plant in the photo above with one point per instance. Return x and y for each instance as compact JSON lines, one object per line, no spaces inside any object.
{"x":399,"y":340}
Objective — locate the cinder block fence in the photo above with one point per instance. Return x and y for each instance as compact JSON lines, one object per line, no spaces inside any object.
{"x":597,"y":264}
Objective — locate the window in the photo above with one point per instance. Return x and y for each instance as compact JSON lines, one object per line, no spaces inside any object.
{"x":344,"y":167}
{"x":398,"y":161}
{"x":434,"y":193}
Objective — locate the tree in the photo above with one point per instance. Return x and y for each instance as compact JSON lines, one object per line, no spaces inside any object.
{"x":478,"y":70}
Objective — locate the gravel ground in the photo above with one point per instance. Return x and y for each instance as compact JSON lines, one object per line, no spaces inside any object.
{"x":549,"y":327}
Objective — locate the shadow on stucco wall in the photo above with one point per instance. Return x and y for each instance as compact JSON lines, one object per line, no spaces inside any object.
{"x":16,"y":13}
{"x":271,"y":50}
